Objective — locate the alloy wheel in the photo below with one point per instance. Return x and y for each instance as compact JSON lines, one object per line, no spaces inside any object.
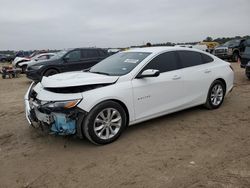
{"x":107,"y":123}
{"x":217,"y":95}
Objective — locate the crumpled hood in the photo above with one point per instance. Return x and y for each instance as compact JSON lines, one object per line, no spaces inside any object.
{"x":79,"y":78}
{"x":17,"y":59}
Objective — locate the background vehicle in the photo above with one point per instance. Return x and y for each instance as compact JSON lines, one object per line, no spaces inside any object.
{"x":40,"y":57}
{"x":210,"y":45}
{"x":23,"y":53}
{"x":245,"y":57}
{"x":245,"y":53}
{"x":248,"y":69}
{"x":127,"y":88}
{"x":229,"y":50}
{"x":112,"y":51}
{"x":3,"y":58}
{"x":202,"y":47}
{"x":65,"y":61}
{"x":10,"y":57}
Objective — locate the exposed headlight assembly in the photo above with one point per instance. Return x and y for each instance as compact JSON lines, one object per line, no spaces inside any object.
{"x":63,"y":104}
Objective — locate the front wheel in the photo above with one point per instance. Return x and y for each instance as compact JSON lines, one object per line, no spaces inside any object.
{"x":50,"y":72}
{"x":235,"y":57}
{"x":104,"y":123}
{"x":215,"y":95}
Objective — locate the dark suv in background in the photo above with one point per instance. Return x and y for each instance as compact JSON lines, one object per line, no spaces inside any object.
{"x":245,"y":53}
{"x":245,"y":57}
{"x":66,"y":60}
{"x":229,"y":50}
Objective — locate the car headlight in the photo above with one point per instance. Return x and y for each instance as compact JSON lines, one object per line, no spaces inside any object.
{"x":230,"y":51}
{"x":63,"y":104}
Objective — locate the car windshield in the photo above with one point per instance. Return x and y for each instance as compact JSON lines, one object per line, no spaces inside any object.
{"x":119,"y":64}
{"x":231,"y":43}
{"x":59,"y":54}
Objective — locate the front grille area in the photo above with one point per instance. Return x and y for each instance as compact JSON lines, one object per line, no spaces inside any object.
{"x":219,"y":51}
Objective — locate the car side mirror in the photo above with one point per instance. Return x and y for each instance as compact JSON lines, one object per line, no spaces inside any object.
{"x":149,"y":73}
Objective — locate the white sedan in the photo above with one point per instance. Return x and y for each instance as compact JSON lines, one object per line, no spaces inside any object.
{"x":127,"y":88}
{"x":22,"y":62}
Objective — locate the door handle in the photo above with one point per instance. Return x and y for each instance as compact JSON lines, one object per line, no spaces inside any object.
{"x":207,"y":71}
{"x":176,"y":77}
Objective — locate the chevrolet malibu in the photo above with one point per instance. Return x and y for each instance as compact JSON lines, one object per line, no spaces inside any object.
{"x":127,"y":88}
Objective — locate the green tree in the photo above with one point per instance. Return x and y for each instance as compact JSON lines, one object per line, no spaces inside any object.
{"x":208,"y":39}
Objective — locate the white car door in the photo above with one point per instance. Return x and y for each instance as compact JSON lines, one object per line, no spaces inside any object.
{"x":158,"y":95}
{"x":197,"y":76}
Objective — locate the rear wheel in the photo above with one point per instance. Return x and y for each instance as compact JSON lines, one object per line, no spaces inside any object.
{"x":215,"y":95}
{"x":104,"y":123}
{"x":50,"y":72}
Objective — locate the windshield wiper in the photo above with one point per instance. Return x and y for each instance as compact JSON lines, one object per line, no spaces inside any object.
{"x":96,"y":72}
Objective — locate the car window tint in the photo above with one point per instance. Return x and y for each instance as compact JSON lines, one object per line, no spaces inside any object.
{"x":74,"y":55}
{"x":92,"y":53}
{"x":163,"y":62}
{"x":189,"y":58}
{"x":206,"y":58}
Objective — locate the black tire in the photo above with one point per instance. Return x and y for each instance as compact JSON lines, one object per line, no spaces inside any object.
{"x":50,"y":72}
{"x":90,"y":122}
{"x":210,"y":103}
{"x":235,"y":57}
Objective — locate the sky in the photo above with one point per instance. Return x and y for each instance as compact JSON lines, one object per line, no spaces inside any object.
{"x":59,"y":24}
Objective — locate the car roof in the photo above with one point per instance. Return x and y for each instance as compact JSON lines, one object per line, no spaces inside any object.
{"x":157,"y":50}
{"x":84,"y":48}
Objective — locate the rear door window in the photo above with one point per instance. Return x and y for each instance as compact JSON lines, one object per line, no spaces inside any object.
{"x":89,"y":54}
{"x":190,"y":58}
{"x":206,"y":58}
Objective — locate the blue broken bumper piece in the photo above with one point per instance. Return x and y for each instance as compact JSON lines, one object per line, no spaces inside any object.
{"x":63,"y":125}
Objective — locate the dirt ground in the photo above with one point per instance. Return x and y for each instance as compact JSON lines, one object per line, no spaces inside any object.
{"x":192,"y":148}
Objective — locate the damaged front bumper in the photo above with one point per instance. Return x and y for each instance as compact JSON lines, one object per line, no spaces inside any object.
{"x":53,"y":120}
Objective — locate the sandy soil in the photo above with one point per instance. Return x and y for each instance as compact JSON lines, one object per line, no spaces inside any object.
{"x":192,"y":148}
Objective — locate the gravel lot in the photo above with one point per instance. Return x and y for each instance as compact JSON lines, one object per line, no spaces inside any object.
{"x":192,"y":148}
